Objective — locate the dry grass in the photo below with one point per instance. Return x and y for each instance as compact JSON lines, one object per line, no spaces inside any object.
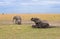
{"x":49,"y":17}
{"x":11,"y":31}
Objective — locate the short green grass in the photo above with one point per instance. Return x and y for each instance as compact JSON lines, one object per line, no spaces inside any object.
{"x":27,"y":32}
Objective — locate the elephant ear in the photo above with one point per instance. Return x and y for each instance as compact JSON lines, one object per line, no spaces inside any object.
{"x":32,"y":19}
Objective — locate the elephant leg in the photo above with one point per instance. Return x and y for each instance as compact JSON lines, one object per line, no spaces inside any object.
{"x":18,"y":21}
{"x":34,"y":26}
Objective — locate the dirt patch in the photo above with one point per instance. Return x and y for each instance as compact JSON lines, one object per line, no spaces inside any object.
{"x":52,"y":23}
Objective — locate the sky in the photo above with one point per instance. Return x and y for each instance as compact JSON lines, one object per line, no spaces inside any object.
{"x":30,"y":6}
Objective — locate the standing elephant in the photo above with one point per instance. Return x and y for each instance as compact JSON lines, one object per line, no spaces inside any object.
{"x":17,"y":19}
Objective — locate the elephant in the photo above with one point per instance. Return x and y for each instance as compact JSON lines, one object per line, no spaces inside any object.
{"x":17,"y":19}
{"x":39,"y":23}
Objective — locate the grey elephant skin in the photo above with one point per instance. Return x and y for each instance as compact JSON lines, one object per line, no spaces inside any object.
{"x":39,"y":23}
{"x":17,"y":20}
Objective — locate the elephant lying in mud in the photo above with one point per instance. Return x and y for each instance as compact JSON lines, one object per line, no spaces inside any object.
{"x":17,"y":19}
{"x":39,"y":23}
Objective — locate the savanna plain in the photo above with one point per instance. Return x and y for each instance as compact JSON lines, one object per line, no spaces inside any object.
{"x":9,"y":30}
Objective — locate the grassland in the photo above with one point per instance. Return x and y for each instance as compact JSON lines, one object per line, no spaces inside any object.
{"x":12,"y":31}
{"x":49,"y":17}
{"x":27,"y":32}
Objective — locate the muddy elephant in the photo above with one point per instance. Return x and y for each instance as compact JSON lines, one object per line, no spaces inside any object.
{"x":39,"y":23}
{"x":17,"y":19}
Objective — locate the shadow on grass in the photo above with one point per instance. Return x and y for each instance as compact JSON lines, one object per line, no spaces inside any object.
{"x":49,"y":27}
